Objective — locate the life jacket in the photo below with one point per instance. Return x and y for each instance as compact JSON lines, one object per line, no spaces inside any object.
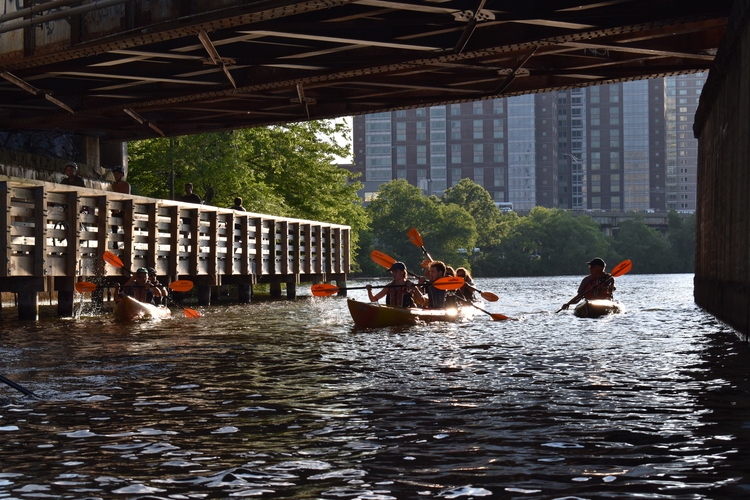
{"x":602,"y":291}
{"x":399,"y":296}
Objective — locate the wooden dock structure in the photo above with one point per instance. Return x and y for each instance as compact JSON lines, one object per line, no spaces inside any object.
{"x":56,"y":235}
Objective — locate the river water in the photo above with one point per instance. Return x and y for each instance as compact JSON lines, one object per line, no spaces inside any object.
{"x":289,"y":400}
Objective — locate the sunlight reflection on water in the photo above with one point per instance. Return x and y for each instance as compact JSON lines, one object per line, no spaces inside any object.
{"x":288,"y":399}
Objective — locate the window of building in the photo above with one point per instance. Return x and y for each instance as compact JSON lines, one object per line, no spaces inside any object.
{"x":497,"y":107}
{"x":498,"y":152}
{"x":614,"y":183}
{"x":614,"y":116}
{"x":455,"y":129}
{"x":614,"y":160}
{"x":401,"y":113}
{"x":421,"y":131}
{"x":400,"y":155}
{"x":478,"y":153}
{"x":479,"y":176}
{"x":499,"y":176}
{"x":421,"y":155}
{"x":476,"y":108}
{"x":614,"y":138}
{"x":595,"y":138}
{"x":455,"y":153}
{"x":497,"y":128}
{"x":478,"y":128}
{"x":455,"y":176}
{"x":455,"y":109}
{"x":421,"y":111}
{"x":400,"y":131}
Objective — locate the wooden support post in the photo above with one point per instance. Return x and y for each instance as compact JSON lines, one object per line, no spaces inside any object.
{"x":276,"y":289}
{"x":291,"y":291}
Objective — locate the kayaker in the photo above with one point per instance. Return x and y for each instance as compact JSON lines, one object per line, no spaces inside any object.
{"x":137,"y":287}
{"x":396,"y":292}
{"x":465,"y":292}
{"x":597,"y":285}
{"x":160,"y":292}
{"x":434,"y":299}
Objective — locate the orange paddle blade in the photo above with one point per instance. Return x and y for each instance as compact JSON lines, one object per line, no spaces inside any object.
{"x":448,"y":283}
{"x":415,"y":237}
{"x":112,"y":259}
{"x":181,"y":285}
{"x":489,"y":296}
{"x":324,"y":290}
{"x":622,"y":268}
{"x":85,"y":286}
{"x":382,"y":259}
{"x":425,"y":263}
{"x":191,"y":313}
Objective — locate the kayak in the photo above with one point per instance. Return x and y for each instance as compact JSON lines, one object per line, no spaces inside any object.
{"x":129,"y":309}
{"x":596,"y":308}
{"x":374,"y":315}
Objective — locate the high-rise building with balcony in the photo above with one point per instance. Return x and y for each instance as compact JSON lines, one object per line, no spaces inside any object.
{"x":621,"y":146}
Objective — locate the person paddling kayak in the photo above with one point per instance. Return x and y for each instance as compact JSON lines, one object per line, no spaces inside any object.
{"x":597,"y":285}
{"x":396,"y":292}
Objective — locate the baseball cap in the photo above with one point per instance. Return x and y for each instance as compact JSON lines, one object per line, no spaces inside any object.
{"x":398,"y":266}
{"x":597,"y":262}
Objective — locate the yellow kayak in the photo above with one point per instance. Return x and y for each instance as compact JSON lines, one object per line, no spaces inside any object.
{"x":374,"y":315}
{"x":129,"y":309}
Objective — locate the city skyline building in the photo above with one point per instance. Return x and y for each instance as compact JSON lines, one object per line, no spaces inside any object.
{"x":620,"y":147}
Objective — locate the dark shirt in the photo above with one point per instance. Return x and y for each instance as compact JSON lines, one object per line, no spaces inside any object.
{"x":192,"y":198}
{"x":77,"y":181}
{"x":239,"y":207}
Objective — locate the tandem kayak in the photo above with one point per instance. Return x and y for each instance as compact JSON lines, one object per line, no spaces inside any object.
{"x":596,"y":308}
{"x":129,"y":309}
{"x":374,"y":315}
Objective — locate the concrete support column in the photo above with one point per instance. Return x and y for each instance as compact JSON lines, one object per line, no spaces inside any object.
{"x":28,"y":306}
{"x":245,"y":293}
{"x":341,"y":283}
{"x":65,"y":296}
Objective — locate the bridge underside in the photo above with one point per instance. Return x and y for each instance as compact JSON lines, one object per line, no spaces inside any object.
{"x":120,"y":70}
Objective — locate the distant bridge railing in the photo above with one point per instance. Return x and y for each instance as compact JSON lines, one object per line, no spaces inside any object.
{"x":58,"y":234}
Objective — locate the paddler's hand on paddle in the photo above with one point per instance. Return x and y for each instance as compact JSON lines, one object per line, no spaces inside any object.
{"x":369,"y":293}
{"x":565,"y":307}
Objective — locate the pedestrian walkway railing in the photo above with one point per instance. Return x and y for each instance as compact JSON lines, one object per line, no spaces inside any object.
{"x":61,"y":232}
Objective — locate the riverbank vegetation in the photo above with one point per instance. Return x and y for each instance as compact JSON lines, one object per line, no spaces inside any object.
{"x":465,"y":228}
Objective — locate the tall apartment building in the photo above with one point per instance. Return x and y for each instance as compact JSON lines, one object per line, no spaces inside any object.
{"x":623,"y":146}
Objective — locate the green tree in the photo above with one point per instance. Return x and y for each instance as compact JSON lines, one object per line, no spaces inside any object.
{"x":477,"y":201}
{"x":399,"y":206}
{"x":681,"y":238}
{"x":647,"y":248}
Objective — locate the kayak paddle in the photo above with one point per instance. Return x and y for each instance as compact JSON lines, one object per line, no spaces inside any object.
{"x":416,"y":238}
{"x":114,"y":260}
{"x":177,"y":286}
{"x":387,"y":261}
{"x":620,"y":269}
{"x":495,"y":316}
{"x":17,"y":387}
{"x":447,"y":283}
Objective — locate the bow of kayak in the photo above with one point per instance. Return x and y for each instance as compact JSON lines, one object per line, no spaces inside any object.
{"x":374,"y":315}
{"x":129,"y":309}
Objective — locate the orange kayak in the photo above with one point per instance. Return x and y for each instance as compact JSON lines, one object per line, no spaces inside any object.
{"x":374,"y":315}
{"x":129,"y":309}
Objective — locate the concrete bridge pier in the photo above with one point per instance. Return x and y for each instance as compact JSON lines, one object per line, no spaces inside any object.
{"x":722,"y":126}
